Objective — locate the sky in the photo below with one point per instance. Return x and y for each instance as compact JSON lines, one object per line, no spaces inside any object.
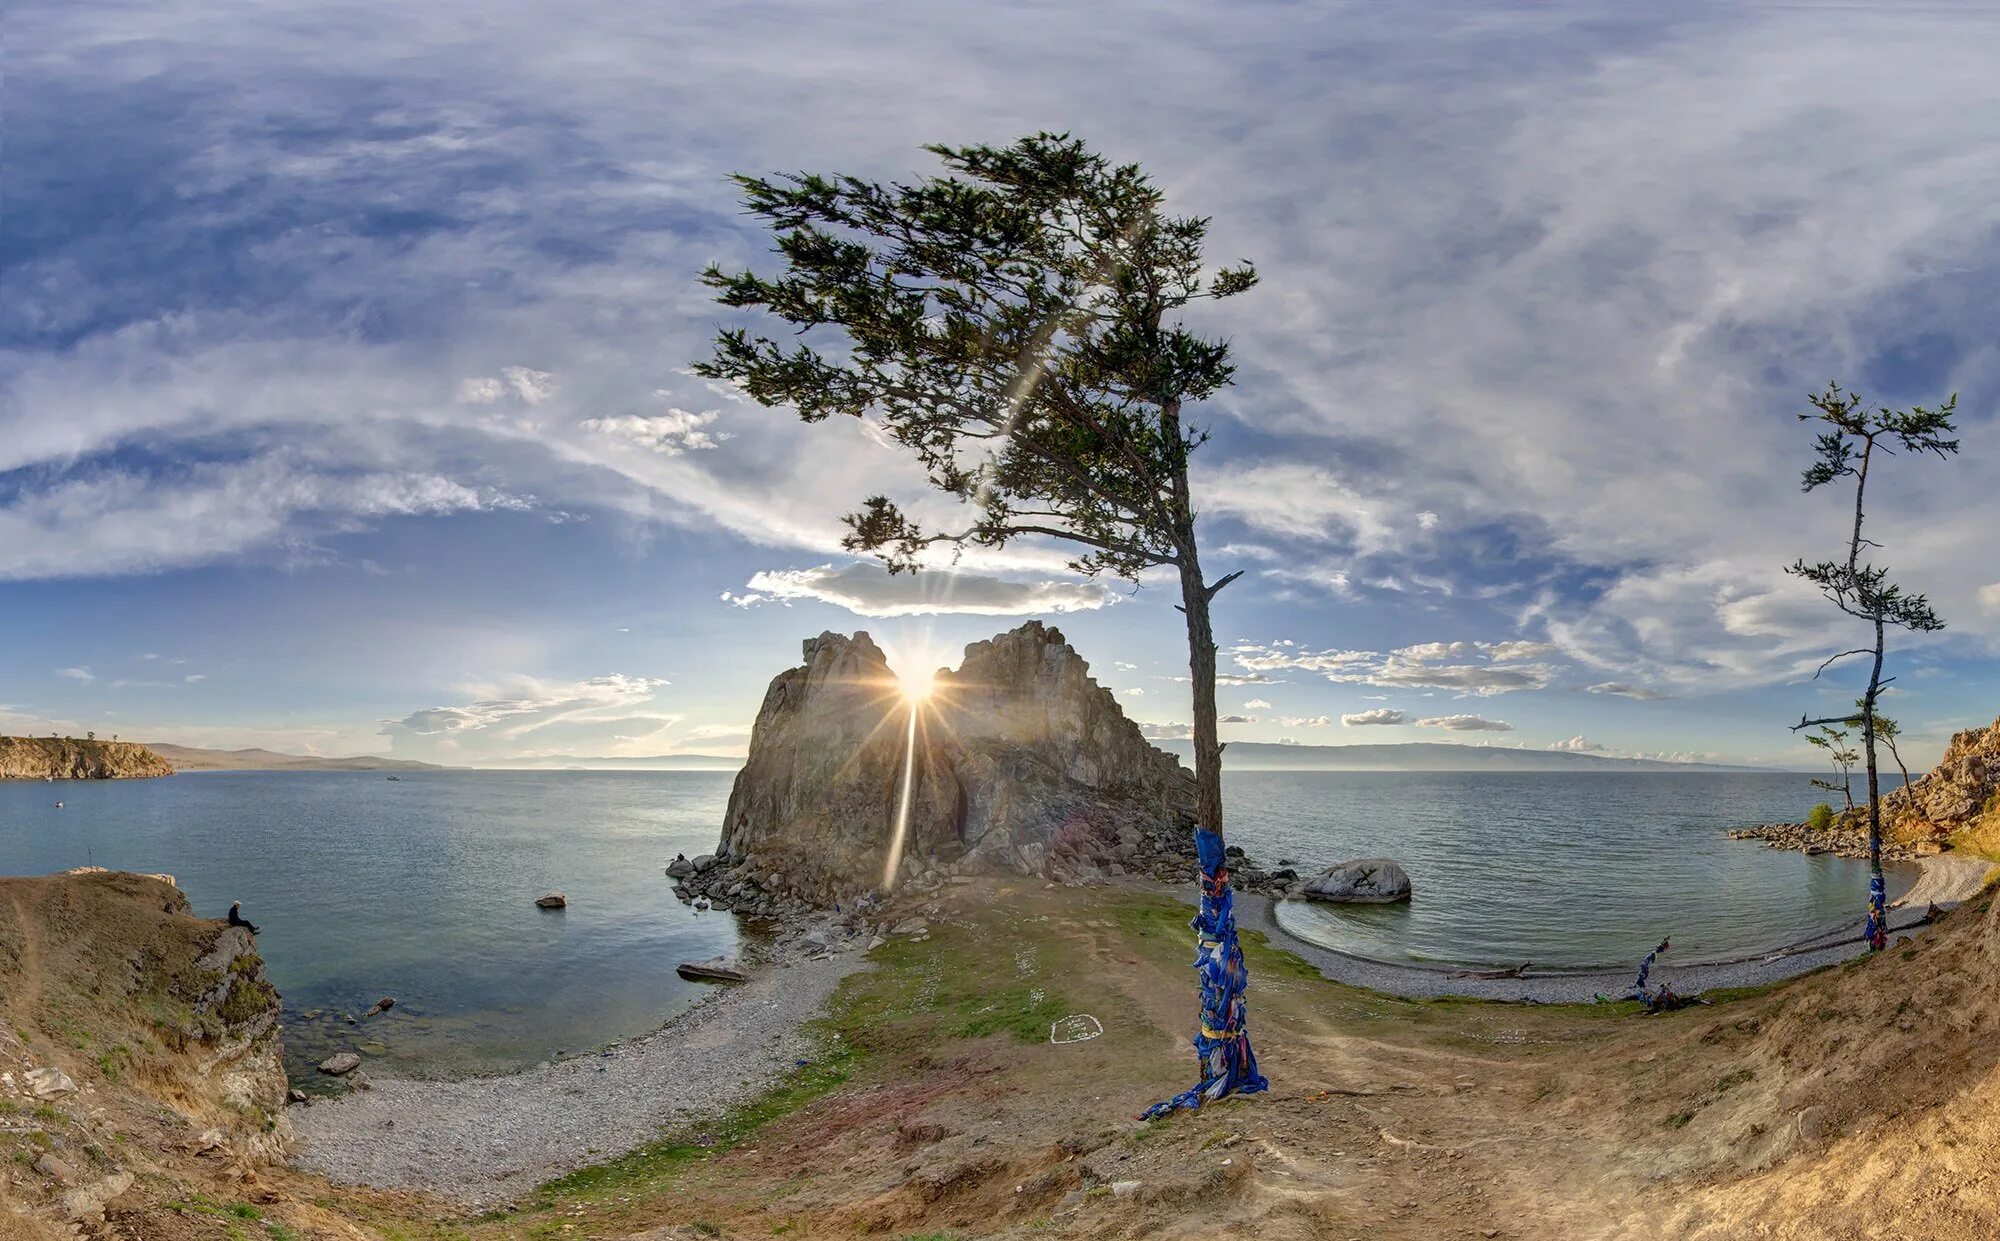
{"x":345,"y":403}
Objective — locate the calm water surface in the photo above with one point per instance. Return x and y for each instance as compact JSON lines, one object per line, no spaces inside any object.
{"x":1552,"y":868}
{"x":423,"y":888}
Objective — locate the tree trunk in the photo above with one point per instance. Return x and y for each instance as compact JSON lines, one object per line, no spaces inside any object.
{"x":1877,"y":913}
{"x":1201,"y":671}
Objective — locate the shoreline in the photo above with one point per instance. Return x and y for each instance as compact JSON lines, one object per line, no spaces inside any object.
{"x":484,"y":1141}
{"x":1944,"y":879}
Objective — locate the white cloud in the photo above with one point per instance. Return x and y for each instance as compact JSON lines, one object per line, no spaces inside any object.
{"x":1989,"y":599}
{"x":1578,"y":745}
{"x":1623,"y":689}
{"x":669,"y":434}
{"x":77,"y":674}
{"x":1430,"y":665}
{"x":1237,"y":719}
{"x":520,"y":383}
{"x":1256,"y":704}
{"x":525,"y":717}
{"x":1305,"y":721}
{"x":1466,"y":723}
{"x":1379,"y":715}
{"x":1166,"y":732}
{"x":867,"y":588}
{"x":194,"y":678}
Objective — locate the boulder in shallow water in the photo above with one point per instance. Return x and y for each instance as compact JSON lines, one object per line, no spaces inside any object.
{"x":554,"y":900}
{"x":340,"y":1064}
{"x":1364,"y":881}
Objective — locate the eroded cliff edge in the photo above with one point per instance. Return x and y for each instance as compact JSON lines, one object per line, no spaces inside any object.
{"x":67,"y":758}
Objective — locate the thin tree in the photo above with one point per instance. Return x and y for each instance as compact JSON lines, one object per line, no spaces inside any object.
{"x":1887,"y":731}
{"x":1834,"y":742}
{"x":1853,"y":436}
{"x":1015,"y":324}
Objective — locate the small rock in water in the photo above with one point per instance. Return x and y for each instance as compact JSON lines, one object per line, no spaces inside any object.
{"x":680,"y":867}
{"x":340,"y":1063}
{"x":382,"y":1005}
{"x":554,"y":900}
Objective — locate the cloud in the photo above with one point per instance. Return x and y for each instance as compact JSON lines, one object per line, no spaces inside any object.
{"x":115,"y":520}
{"x":524,"y":717}
{"x":1577,"y":745}
{"x":670,"y":434}
{"x":1621,"y":216}
{"x":1466,"y":724}
{"x":1136,"y":692}
{"x":867,"y":588}
{"x":194,"y":678}
{"x":77,"y":674}
{"x":1256,"y":704}
{"x":1305,"y":721}
{"x":1379,"y":715}
{"x":1237,"y":719}
{"x":519,"y":383}
{"x":1989,"y":599}
{"x":1166,"y":732}
{"x":1508,"y":666}
{"x":1623,"y":689}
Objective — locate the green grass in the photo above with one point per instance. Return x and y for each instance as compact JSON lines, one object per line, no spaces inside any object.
{"x":658,"y":1164}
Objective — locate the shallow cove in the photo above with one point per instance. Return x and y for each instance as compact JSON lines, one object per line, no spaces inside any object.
{"x":1565,"y":871}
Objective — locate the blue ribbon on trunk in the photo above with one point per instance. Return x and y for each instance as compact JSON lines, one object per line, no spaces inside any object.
{"x":1222,"y":1047}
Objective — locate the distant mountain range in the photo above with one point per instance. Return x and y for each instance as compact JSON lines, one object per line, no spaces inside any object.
{"x":1423,"y":756}
{"x":189,"y":758}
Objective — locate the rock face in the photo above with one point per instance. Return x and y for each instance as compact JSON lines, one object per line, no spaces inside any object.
{"x":1020,"y":763}
{"x":1364,"y":881}
{"x":1958,"y":791}
{"x":168,"y":1043}
{"x":1960,"y":795}
{"x":66,"y":758}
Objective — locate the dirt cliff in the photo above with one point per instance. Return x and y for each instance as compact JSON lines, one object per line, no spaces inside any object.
{"x":66,"y":758}
{"x":139,"y":1053}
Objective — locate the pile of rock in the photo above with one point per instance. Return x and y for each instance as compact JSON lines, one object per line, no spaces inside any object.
{"x":1845,"y":838}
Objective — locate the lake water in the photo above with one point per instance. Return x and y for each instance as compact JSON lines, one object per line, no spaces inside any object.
{"x":423,"y":888}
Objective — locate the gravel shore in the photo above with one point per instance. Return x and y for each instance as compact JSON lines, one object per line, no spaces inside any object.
{"x":487,"y":1140}
{"x":1946,"y":880}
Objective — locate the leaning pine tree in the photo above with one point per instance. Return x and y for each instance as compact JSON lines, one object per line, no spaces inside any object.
{"x":1014,"y":325}
{"x":1854,"y":436}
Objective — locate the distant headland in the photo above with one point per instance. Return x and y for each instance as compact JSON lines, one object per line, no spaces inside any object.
{"x":72,"y":758}
{"x":190,"y":758}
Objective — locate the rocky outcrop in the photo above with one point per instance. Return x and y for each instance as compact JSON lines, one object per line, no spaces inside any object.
{"x":66,"y":758}
{"x":1960,"y":797}
{"x":1018,"y":763}
{"x":142,"y":1040}
{"x":1364,"y":881}
{"x":1956,"y":793}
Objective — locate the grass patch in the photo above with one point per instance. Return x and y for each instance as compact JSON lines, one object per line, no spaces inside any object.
{"x":659,"y":1164}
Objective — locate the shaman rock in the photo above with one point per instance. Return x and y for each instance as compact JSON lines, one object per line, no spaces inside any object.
{"x":1019,"y":762}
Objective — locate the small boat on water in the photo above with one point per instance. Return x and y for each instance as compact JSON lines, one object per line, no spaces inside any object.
{"x":394,"y":777}
{"x":718,"y":970}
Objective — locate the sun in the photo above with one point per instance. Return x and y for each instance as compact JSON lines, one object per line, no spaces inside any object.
{"x":915,"y":684}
